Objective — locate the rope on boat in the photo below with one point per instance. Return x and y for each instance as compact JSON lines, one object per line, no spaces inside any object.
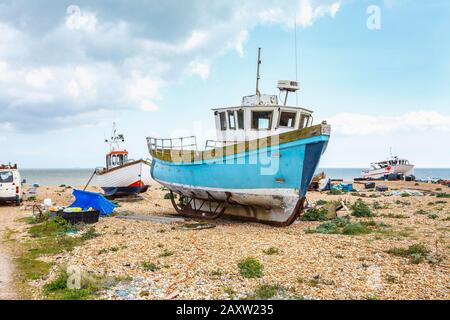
{"x":90,"y":179}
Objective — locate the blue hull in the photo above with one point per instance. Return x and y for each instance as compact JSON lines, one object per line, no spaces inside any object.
{"x":122,"y":191}
{"x":265,"y":182}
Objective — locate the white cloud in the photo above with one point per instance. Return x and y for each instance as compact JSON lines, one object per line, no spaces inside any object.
{"x":111,"y":56}
{"x":38,"y":77}
{"x":308,"y":14}
{"x":417,"y":121}
{"x":144,"y":90}
{"x":78,"y":20}
{"x":196,"y":39}
{"x":200,"y":68}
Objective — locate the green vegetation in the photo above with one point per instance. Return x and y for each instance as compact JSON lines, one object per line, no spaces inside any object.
{"x":391,"y":279}
{"x":168,"y":196}
{"x":443,"y":195}
{"x":321,"y":202}
{"x":150,"y":266}
{"x":403,"y":203}
{"x":230,"y":292}
{"x":166,"y":253}
{"x":105,"y":250}
{"x":416,"y":252}
{"x":335,"y":192}
{"x":250,"y":268}
{"x":216,"y":273}
{"x":394,"y":216}
{"x":421,"y":212}
{"x":345,"y":227}
{"x":271,"y":251}
{"x":433,"y":216}
{"x":47,"y":239}
{"x":88,"y":287}
{"x":53,"y":227}
{"x":405,"y":195}
{"x":376,"y":205}
{"x":355,"y":229}
{"x":89,"y":234}
{"x":315,"y":214}
{"x":361,"y":209}
{"x":265,"y":291}
{"x":326,"y":228}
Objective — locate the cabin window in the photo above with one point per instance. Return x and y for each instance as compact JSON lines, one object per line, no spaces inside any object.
{"x":223,"y":121}
{"x":304,"y":120}
{"x":287,"y":119}
{"x":240,"y":118}
{"x":232,"y":120}
{"x":262,"y":120}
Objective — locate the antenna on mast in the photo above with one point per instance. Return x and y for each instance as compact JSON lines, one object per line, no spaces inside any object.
{"x":115,"y":140}
{"x":258,"y":77}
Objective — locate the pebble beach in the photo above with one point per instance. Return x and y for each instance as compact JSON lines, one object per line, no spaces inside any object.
{"x":189,"y":263}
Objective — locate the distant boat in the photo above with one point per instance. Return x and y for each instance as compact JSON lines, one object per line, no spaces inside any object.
{"x":393,"y":165}
{"x":258,"y":170}
{"x":122,"y":176}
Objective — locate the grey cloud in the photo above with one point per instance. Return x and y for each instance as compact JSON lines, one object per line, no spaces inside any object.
{"x":122,"y":57}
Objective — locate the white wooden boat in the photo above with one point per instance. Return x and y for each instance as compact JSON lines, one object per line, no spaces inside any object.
{"x":122,"y":176}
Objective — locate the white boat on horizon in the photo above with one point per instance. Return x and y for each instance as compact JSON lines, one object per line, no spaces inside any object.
{"x":393,"y":165}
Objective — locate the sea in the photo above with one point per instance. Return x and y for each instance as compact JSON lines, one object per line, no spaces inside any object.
{"x":79,"y":177}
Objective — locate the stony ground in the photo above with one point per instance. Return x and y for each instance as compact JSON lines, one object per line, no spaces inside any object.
{"x":8,"y":225}
{"x":203,"y":264}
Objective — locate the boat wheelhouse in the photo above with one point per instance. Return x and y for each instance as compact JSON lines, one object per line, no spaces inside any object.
{"x":258,"y":168}
{"x":259,"y":116}
{"x":122,"y":176}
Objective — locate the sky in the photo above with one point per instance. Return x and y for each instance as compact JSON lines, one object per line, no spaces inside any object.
{"x":378,"y":71}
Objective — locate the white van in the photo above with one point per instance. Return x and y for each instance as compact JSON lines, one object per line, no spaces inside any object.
{"x":11,"y":185}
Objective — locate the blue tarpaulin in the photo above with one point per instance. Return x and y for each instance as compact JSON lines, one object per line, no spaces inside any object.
{"x":343,"y":187}
{"x":86,"y":200}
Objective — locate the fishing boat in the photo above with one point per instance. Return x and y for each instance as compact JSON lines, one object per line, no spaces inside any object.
{"x":259,"y":167}
{"x":122,"y":176}
{"x":393,"y":165}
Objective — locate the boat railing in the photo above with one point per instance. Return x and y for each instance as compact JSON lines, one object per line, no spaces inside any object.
{"x":183,"y":143}
{"x":213,"y":144}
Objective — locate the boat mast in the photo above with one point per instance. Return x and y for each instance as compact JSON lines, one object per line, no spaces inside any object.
{"x":114,"y":142}
{"x":258,"y":77}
